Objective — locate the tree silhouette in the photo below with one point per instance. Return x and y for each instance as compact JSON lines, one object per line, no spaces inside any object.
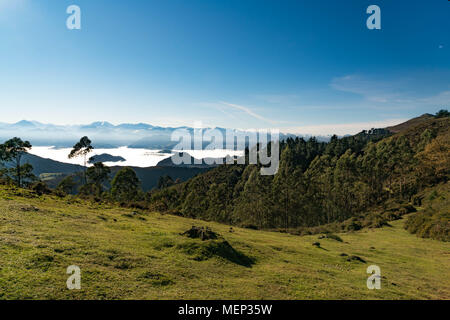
{"x":442,"y":113}
{"x":82,"y":149}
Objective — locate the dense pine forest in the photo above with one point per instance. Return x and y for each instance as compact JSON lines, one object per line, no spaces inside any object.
{"x":346,"y":184}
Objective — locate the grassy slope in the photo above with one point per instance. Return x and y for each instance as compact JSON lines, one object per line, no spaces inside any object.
{"x":133,"y":258}
{"x":410,"y":123}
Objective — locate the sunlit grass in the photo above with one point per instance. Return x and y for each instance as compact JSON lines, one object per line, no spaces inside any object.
{"x":143,"y":256}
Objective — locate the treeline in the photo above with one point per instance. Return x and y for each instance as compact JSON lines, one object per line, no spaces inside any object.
{"x":318,"y":183}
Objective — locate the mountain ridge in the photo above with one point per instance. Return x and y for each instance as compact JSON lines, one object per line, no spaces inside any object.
{"x":106,"y":134}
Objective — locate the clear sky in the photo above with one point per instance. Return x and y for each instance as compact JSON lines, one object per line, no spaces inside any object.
{"x":295,"y":65}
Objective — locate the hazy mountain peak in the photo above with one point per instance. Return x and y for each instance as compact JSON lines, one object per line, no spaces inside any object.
{"x":26,"y":123}
{"x":100,"y":124}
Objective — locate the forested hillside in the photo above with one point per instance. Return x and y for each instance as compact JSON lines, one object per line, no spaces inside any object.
{"x":321,"y":183}
{"x":137,"y":254}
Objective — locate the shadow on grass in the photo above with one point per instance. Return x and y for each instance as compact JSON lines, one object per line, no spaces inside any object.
{"x":207,"y":249}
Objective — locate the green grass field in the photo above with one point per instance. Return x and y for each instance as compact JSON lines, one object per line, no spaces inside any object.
{"x":143,"y":256}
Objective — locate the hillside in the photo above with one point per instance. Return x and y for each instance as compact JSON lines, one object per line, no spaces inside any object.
{"x":410,"y":123}
{"x":42,"y":165}
{"x":149,"y":176}
{"x":433,"y":221}
{"x":322,"y":183}
{"x":141,"y":255}
{"x":52,"y":172}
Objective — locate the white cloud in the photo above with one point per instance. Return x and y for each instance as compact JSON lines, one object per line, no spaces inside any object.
{"x":248,"y":111}
{"x":411,"y":91}
{"x":373,"y":90}
{"x":442,"y":98}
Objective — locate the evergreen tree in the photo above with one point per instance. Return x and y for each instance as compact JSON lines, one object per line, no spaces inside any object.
{"x":98,"y":174}
{"x":13,"y":150}
{"x":125,"y":185}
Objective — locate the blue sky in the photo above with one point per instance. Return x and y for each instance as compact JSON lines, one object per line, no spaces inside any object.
{"x":295,"y":65}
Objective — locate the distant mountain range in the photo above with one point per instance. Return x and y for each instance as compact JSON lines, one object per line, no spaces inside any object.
{"x":102,"y":134}
{"x":105,"y":135}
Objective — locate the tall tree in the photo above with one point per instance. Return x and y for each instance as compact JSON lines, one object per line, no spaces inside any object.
{"x":287,"y":186}
{"x":82,"y":149}
{"x":98,"y":174}
{"x":125,"y":185}
{"x":13,"y":150}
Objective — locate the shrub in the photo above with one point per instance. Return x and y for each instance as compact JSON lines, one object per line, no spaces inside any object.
{"x":40,"y":188}
{"x":334,"y":237}
{"x":391,"y":216}
{"x":429,"y":224}
{"x":200,"y":233}
{"x":250,"y":226}
{"x":352,"y":225}
{"x":89,"y":190}
{"x":66,"y":186}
